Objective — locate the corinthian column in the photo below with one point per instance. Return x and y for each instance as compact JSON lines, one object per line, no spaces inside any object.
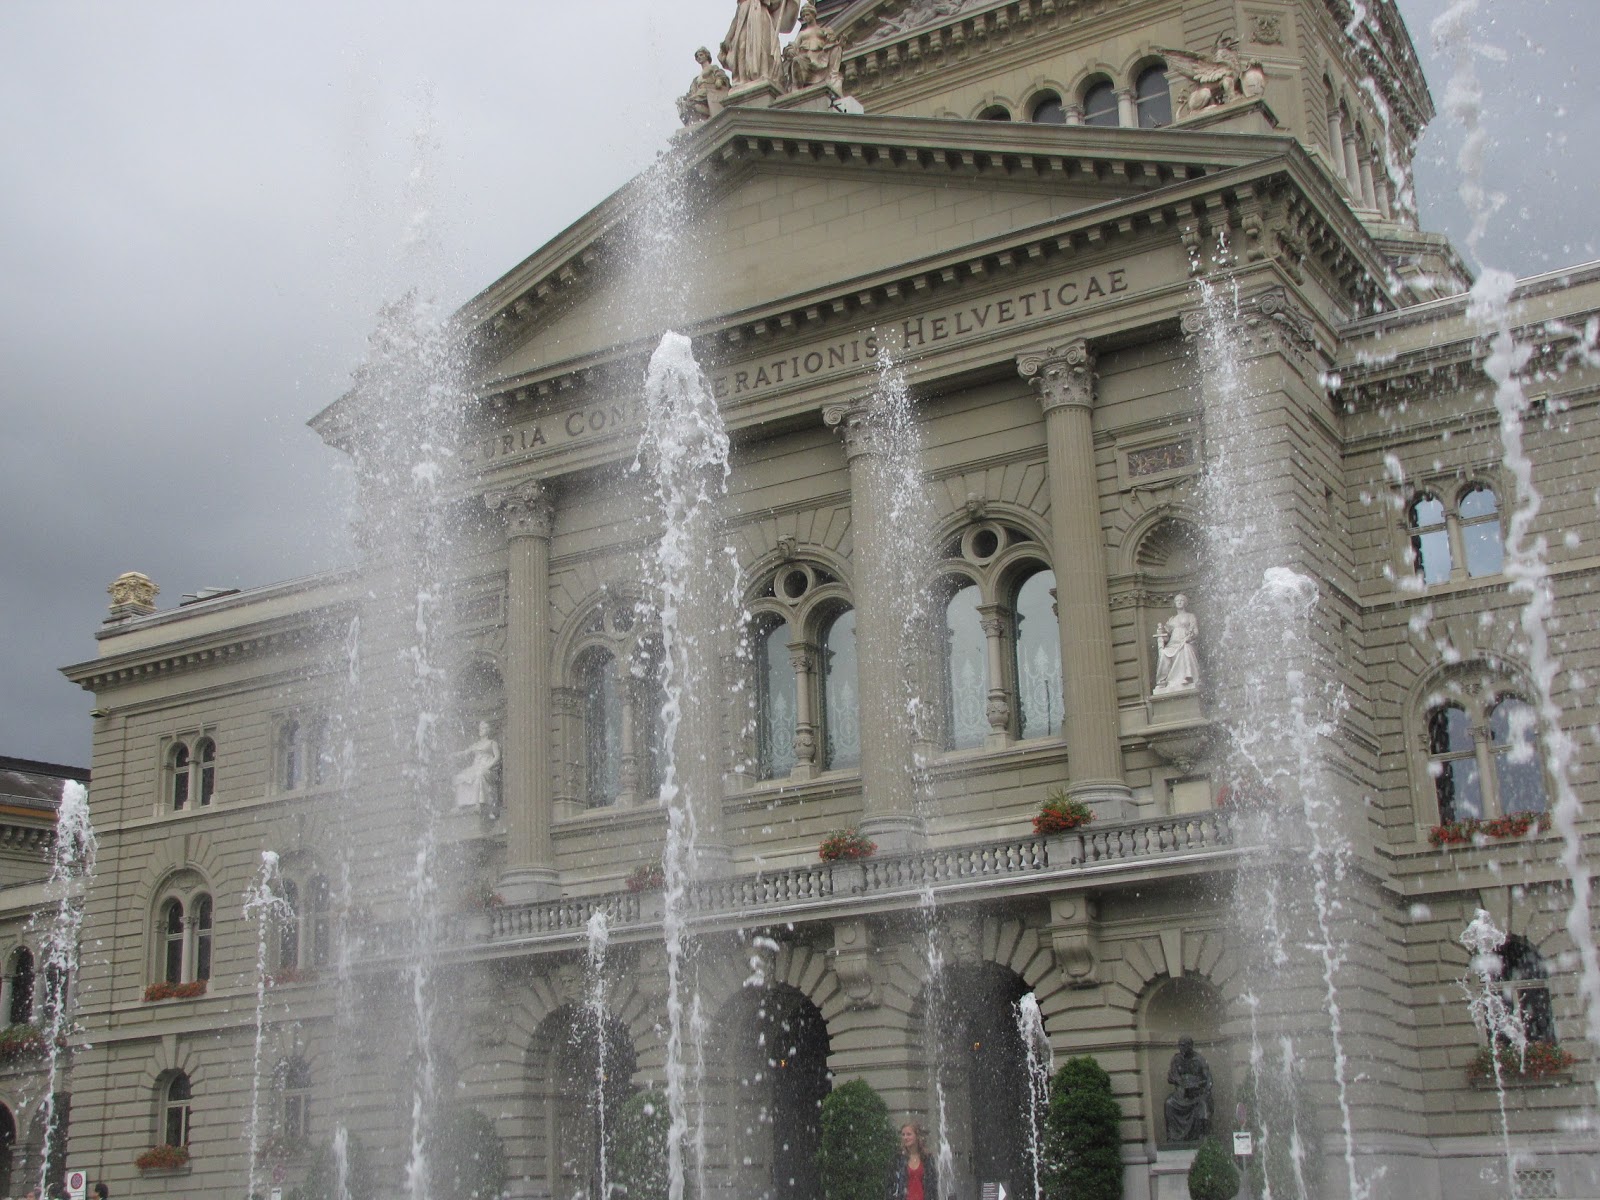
{"x":526,"y":767}
{"x":888,"y":796}
{"x":1064,"y":377}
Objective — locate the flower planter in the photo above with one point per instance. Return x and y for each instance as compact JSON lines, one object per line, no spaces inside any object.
{"x":175,"y":991}
{"x":1474,"y":831}
{"x":163,"y":1160}
{"x":846,"y":845}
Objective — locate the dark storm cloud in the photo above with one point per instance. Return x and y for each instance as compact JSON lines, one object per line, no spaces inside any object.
{"x":201,"y":210}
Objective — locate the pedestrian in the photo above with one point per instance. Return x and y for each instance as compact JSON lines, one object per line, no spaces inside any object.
{"x":916,"y":1176}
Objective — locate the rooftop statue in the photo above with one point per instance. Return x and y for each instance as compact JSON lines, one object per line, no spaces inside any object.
{"x":1220,"y":79}
{"x":751,"y":50}
{"x":814,"y":56}
{"x":706,"y":91}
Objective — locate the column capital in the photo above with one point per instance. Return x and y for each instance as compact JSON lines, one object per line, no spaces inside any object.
{"x":527,"y":508}
{"x":864,"y":429}
{"x":1063,"y":376}
{"x":1271,"y":320}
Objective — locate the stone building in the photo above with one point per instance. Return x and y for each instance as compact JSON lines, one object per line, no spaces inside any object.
{"x":30,"y":793}
{"x":1026,"y":204}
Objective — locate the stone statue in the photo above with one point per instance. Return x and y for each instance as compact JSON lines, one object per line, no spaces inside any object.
{"x":1177,"y":665}
{"x":751,"y":50}
{"x":472,"y":781}
{"x":1189,"y":1105}
{"x":814,"y":56}
{"x":1220,"y":79}
{"x":706,"y":92}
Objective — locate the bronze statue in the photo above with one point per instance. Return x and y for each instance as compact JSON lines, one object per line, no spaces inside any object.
{"x":1189,"y":1105}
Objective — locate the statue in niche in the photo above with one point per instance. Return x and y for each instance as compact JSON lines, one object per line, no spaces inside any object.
{"x":1177,"y":664}
{"x":814,"y":56}
{"x":473,"y":782}
{"x":1220,"y":79}
{"x":1188,"y":1108}
{"x":751,"y":50}
{"x":706,"y":92}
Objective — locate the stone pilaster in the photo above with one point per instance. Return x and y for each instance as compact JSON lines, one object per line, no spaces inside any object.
{"x":804,"y":661}
{"x":1064,"y":377}
{"x":527,"y":766}
{"x":887,"y":793}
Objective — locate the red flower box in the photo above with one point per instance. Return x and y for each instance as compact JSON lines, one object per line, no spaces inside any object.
{"x":1060,"y":815}
{"x":163,"y":1158}
{"x":846,"y":843}
{"x":174,"y":991}
{"x":1542,"y":1060}
{"x":1469,"y":831}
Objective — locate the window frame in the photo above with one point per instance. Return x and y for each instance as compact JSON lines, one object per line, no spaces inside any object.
{"x":1457,"y":530}
{"x":1092,"y":87}
{"x":188,"y":772}
{"x":189,"y":949}
{"x":1143,"y":104}
{"x":173,"y":1107}
{"x":809,"y":595}
{"x":1479,"y":702}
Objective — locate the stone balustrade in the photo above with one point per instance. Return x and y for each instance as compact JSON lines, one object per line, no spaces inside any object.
{"x":771,"y":894}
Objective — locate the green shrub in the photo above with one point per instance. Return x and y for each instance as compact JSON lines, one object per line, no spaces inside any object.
{"x":466,"y":1160}
{"x":1288,"y":1140}
{"x":1082,"y":1135}
{"x":1212,"y":1175}
{"x":322,"y":1175}
{"x":638,"y":1140}
{"x":858,"y":1143}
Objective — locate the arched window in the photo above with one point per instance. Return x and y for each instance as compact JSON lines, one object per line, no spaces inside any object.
{"x":1484,"y":547}
{"x":1524,"y":984}
{"x":178,"y":765}
{"x":316,"y":930}
{"x":1038,"y":657}
{"x":172,"y":933}
{"x":841,"y":716}
{"x":602,"y":727}
{"x":176,"y":1100}
{"x":289,"y":928}
{"x":1153,"y":98}
{"x":294,"y":1086}
{"x":1048,"y":110}
{"x":21,"y":986}
{"x":55,"y":991}
{"x":775,"y":700}
{"x":1430,"y":539}
{"x":291,"y":755}
{"x":1100,"y":104}
{"x":965,"y":675}
{"x":202,"y":937}
{"x":995,"y":112}
{"x":1484,"y":758}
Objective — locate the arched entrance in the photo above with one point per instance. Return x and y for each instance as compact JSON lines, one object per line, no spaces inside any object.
{"x":985,"y":1078}
{"x":775,"y":1067}
{"x":581,"y":1076}
{"x":8,"y":1145}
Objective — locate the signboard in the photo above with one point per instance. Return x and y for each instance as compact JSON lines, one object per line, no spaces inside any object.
{"x":994,"y":1191}
{"x":1243,"y":1145}
{"x":77,"y":1185}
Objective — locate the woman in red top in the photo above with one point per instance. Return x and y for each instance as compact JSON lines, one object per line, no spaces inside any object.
{"x":915,"y":1175}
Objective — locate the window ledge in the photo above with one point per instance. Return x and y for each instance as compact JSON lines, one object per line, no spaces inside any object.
{"x":165,"y":1172}
{"x":1517,"y":1083}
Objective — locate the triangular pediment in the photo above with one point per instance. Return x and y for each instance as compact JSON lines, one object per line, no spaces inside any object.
{"x":788,"y":204}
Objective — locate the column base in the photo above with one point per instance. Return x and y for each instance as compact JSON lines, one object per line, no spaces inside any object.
{"x":528,"y":885}
{"x":896,"y":834}
{"x":1110,"y":799}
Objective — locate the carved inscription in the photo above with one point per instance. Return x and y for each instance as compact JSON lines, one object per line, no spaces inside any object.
{"x":1153,"y":460}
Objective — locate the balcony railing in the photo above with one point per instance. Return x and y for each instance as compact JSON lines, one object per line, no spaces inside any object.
{"x":857,"y":879}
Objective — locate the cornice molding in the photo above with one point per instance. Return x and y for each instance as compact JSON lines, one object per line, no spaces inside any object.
{"x":201,"y":651}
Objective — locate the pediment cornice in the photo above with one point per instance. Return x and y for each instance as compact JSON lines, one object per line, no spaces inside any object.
{"x":740,"y":142}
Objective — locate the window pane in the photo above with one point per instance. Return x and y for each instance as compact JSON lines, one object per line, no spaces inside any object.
{"x":1449,"y":730}
{"x":602,"y":729}
{"x":1430,"y":556}
{"x":841,"y":713}
{"x":1153,"y":99}
{"x":1479,"y":502}
{"x":995,"y":112}
{"x":202,"y":938}
{"x":289,"y":754}
{"x":1100,"y":105}
{"x":180,"y":788}
{"x":317,"y":909}
{"x":966,"y":677}
{"x":1049,"y":111}
{"x":1038,"y":658}
{"x":775,"y":696}
{"x":1519,"y":776}
{"x":173,"y":922}
{"x":289,"y":935}
{"x":21,"y":987}
{"x":1485,"y":549}
{"x":1459,"y":789}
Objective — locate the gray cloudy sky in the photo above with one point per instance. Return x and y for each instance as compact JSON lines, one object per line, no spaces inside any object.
{"x":201,"y":209}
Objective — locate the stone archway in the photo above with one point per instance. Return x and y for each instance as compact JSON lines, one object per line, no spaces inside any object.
{"x":772,"y":1075}
{"x":985,"y":1078}
{"x":579,"y":1079}
{"x":8,"y":1147}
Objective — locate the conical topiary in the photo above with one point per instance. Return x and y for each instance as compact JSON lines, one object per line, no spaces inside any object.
{"x":638,"y":1142}
{"x":1082,"y":1135}
{"x":858,"y":1143}
{"x":1212,"y":1175}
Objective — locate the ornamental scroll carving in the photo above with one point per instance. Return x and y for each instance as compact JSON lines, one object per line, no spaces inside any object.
{"x":133,"y":591}
{"x":1063,"y":377}
{"x":865,"y":431}
{"x":526,"y":506}
{"x":852,"y":956}
{"x":1269,"y":321}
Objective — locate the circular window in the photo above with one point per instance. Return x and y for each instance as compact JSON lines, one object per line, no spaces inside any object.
{"x":982,"y":542}
{"x":794,"y":583}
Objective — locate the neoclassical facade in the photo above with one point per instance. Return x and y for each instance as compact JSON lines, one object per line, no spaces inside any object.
{"x":1017,"y":202}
